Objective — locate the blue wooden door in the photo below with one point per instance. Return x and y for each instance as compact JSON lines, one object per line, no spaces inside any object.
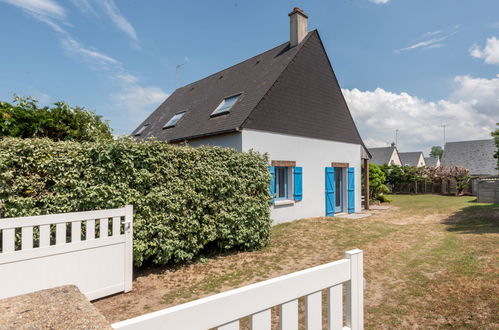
{"x":351,"y":190}
{"x":330,"y":196}
{"x":338,"y":188}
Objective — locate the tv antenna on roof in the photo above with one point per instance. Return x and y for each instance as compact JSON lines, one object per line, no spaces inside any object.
{"x":443,"y":126}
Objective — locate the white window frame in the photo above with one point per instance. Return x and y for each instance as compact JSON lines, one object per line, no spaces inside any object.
{"x":218,"y":110}
{"x":169,"y":124}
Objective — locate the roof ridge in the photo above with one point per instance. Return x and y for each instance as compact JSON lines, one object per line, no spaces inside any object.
{"x":300,"y":45}
{"x":467,"y":141}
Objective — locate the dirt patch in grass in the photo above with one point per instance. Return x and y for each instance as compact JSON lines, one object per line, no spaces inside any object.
{"x":426,"y":265}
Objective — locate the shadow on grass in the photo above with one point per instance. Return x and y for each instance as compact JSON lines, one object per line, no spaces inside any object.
{"x":475,"y":219}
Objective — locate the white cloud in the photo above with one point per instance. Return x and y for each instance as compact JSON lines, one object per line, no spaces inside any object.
{"x":84,"y":6}
{"x":482,"y":93}
{"x":470,"y":113}
{"x":490,"y":53}
{"x":127,"y":78}
{"x":118,"y":19}
{"x":382,"y":2}
{"x":434,"y":42}
{"x":135,"y":103}
{"x":73,"y":47}
{"x":39,"y":7}
{"x":426,"y":43}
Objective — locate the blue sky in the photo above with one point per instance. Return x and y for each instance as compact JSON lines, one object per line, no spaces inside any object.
{"x":406,"y":65}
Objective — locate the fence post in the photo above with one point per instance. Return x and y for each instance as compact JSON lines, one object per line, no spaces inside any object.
{"x":355,"y":291}
{"x":128,"y":247}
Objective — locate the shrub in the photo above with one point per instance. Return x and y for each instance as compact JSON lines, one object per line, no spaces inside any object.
{"x":186,"y":201}
{"x":61,"y":122}
{"x":377,"y":183}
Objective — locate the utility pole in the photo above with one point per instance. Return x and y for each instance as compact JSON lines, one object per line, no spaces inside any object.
{"x":177,"y":68}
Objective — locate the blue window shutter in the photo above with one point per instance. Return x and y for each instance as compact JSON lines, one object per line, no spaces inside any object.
{"x":351,"y":190}
{"x":330,"y":193}
{"x":297,"y":183}
{"x":272,"y":180}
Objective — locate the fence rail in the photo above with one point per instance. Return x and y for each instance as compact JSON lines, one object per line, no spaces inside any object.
{"x":224,"y":310}
{"x":91,"y":249}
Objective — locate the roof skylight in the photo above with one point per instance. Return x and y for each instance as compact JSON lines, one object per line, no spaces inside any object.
{"x":173,"y":121}
{"x":226,"y":105}
{"x":141,"y":130}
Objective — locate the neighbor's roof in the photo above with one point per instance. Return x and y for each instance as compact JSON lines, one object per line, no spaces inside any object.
{"x":410,"y":158}
{"x":381,"y":156}
{"x":477,"y":156}
{"x":283,"y":90}
{"x":431,"y":161}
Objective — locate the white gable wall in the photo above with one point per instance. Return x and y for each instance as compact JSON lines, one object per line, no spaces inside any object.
{"x":313,"y":155}
{"x":233,"y":140}
{"x":421,"y":161}
{"x":395,"y":159}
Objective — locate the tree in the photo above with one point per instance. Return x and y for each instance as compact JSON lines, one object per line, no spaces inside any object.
{"x":495,"y":135}
{"x":437,"y":152}
{"x":23,"y":118}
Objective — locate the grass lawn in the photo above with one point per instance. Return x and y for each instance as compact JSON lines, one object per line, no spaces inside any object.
{"x":430,"y":261}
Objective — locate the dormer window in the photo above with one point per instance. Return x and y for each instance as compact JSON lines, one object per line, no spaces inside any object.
{"x":173,"y":121}
{"x":141,"y":130}
{"x":226,"y":105}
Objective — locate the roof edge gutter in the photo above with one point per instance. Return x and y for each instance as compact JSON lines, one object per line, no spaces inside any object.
{"x":192,"y":137}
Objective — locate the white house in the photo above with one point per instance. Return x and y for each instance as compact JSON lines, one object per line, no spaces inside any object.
{"x":286,"y":102}
{"x":385,"y":155}
{"x":415,"y":158}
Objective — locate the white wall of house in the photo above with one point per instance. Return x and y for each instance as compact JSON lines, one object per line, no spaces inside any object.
{"x":313,"y":155}
{"x":232,"y":140}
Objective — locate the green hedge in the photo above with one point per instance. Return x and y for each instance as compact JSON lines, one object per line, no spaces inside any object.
{"x":186,"y":200}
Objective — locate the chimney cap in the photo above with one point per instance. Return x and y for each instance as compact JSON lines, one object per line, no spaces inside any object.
{"x":299,"y":11}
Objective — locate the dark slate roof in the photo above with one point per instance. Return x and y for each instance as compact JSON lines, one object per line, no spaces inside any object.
{"x":431,"y":161}
{"x":410,"y":158}
{"x":381,"y":156}
{"x":284,"y":90}
{"x":477,"y":156}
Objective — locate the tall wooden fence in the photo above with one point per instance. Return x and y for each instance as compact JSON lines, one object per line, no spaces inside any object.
{"x":92,"y":250}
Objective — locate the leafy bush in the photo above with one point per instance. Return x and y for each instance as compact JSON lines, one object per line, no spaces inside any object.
{"x":398,"y":176}
{"x":377,"y":183}
{"x":186,"y":201}
{"x":23,"y":118}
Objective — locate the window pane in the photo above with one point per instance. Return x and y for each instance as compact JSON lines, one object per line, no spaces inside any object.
{"x":226,"y":104}
{"x":141,"y":129}
{"x":281,"y":182}
{"x":337,"y":188}
{"x":173,"y":121}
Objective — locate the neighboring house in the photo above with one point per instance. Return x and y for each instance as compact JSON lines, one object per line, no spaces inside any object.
{"x":286,"y":102}
{"x":477,"y":156}
{"x":412,"y":159}
{"x":385,"y":155}
{"x":432,"y":161}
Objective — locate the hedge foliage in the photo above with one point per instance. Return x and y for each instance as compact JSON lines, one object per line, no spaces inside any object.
{"x":186,"y":200}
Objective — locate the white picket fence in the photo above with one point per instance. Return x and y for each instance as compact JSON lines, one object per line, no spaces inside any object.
{"x":46,"y":251}
{"x":224,"y":310}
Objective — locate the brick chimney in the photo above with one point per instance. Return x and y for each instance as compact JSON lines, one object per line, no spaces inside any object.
{"x":298,"y":26}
